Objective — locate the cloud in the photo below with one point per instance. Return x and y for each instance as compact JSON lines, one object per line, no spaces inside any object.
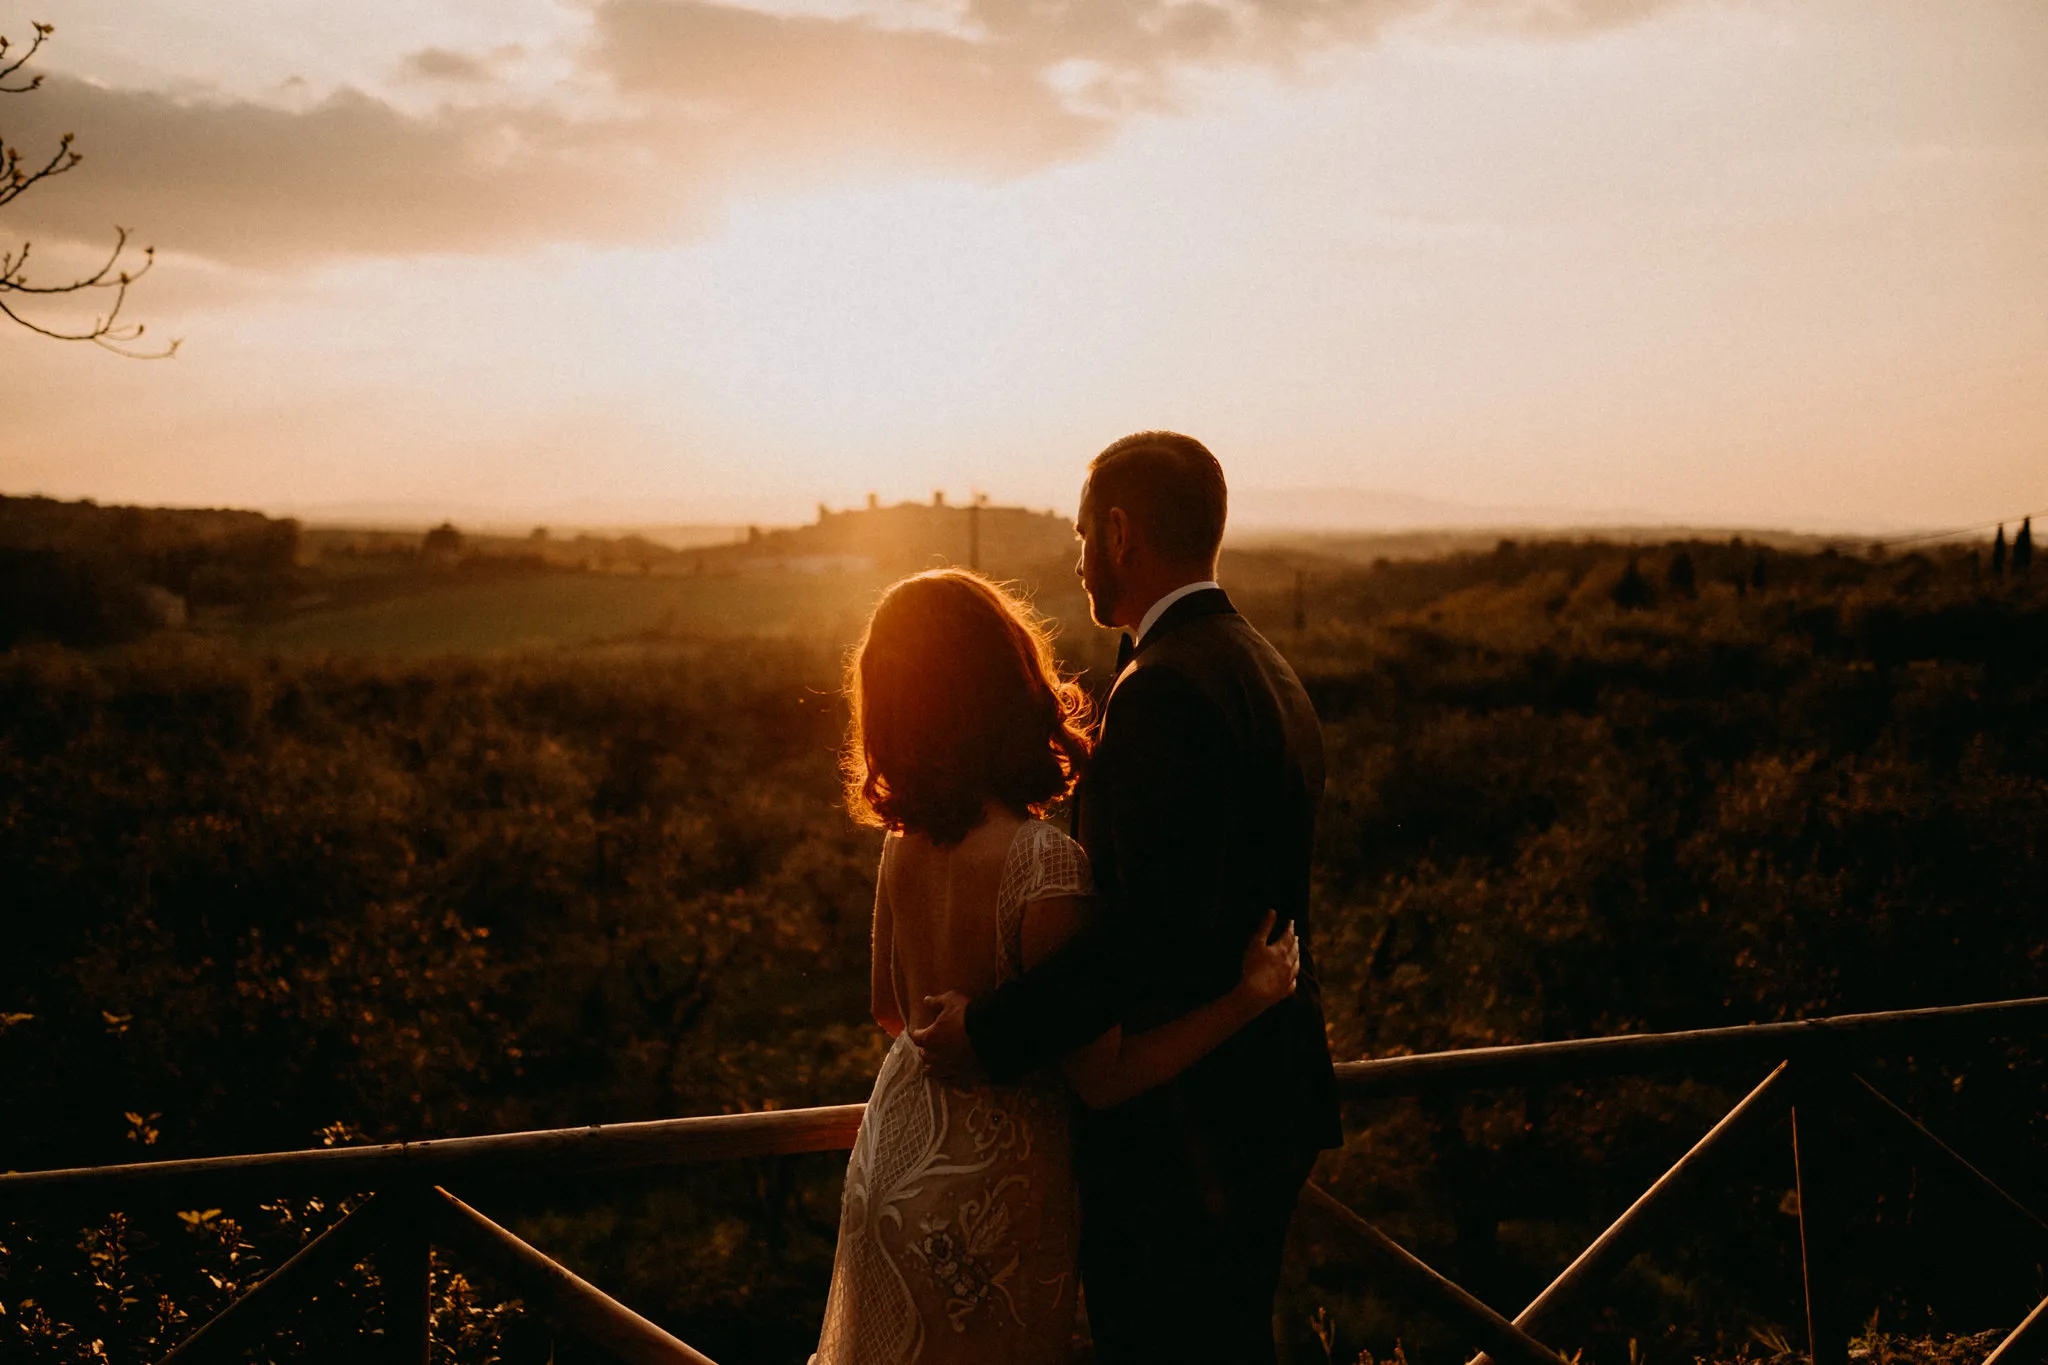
{"x":776,"y":86}
{"x":447,"y":67}
{"x":1011,"y":66}
{"x":353,"y":175}
{"x":706,"y":99}
{"x":440,"y":64}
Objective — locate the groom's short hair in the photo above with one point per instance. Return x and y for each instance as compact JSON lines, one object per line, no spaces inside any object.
{"x":1171,"y":488}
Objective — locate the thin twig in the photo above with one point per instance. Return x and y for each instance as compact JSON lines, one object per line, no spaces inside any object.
{"x":43,"y":31}
{"x":16,"y":179}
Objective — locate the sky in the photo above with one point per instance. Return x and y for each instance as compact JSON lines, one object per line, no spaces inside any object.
{"x":1774,"y":263}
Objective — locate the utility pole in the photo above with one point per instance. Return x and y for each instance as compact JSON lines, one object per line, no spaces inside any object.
{"x":974,"y":531}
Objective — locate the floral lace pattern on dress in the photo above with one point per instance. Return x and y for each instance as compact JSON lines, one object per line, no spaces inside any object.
{"x":957,"y":1227}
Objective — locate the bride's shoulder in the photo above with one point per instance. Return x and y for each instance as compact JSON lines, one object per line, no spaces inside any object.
{"x":902,"y":852}
{"x":1050,"y":861}
{"x":1043,"y":834}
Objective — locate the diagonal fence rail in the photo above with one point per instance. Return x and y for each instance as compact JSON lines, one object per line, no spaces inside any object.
{"x":1812,"y":1078}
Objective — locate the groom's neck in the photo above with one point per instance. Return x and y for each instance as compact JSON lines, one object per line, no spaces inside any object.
{"x":1141,"y":598}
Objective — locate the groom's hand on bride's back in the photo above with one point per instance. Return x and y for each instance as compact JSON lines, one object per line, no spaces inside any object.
{"x":943,"y":1043}
{"x":1271,"y":966}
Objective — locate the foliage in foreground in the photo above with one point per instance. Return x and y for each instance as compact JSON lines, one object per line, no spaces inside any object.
{"x":252,"y":897}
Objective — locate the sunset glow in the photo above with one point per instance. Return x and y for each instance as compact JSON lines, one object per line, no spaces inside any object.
{"x":1751,"y":263}
{"x":1030,"y":682}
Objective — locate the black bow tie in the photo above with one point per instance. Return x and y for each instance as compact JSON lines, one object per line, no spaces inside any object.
{"x":1126,"y":650}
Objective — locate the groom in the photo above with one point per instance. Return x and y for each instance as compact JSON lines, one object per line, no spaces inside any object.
{"x":1198,"y":812}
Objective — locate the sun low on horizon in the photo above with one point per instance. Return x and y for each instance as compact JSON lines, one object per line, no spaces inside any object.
{"x":1739,"y":262}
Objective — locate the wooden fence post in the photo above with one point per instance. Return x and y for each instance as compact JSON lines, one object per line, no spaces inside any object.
{"x":1818,"y":1154}
{"x":1819,"y":1078}
{"x":405,"y":1264}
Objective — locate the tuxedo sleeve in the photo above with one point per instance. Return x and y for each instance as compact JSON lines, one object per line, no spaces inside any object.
{"x":1159,"y":799}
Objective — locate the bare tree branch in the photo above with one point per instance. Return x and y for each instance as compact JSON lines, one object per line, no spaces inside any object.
{"x":43,"y":31}
{"x":14,"y":181}
{"x":17,"y":177}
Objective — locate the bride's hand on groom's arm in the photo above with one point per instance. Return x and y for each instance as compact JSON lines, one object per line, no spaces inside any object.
{"x":944,"y":1043}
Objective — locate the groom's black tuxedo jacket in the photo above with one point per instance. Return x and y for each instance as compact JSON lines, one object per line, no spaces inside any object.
{"x":1198,"y":812}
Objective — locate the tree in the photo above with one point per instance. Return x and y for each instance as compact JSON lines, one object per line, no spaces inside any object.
{"x":1681,"y":577}
{"x":1998,"y":555}
{"x":1632,"y":592}
{"x":2023,"y":546}
{"x":17,"y":177}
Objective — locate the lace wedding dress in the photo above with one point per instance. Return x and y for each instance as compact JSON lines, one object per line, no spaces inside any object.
{"x":957,"y":1230}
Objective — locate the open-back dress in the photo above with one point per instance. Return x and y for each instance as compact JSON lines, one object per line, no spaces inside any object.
{"x":958,"y":1225}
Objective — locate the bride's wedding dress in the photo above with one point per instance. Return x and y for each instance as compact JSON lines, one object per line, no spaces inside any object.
{"x":958,"y":1224}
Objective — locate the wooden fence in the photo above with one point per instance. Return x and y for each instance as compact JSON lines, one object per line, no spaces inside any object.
{"x":1810,"y":1070}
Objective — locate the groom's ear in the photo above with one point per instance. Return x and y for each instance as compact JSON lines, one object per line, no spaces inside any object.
{"x":1115,"y":529}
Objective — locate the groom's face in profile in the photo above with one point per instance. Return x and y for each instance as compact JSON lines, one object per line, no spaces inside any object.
{"x":1097,"y":566}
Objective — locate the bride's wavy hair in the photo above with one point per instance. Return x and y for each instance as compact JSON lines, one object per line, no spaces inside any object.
{"x":957,"y":700}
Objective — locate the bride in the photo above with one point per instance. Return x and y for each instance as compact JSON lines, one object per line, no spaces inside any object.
{"x":958,"y":1226}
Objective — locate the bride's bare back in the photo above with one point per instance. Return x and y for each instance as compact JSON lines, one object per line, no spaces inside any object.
{"x":936,"y":915}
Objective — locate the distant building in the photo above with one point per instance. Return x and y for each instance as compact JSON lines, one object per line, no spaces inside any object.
{"x":906,"y":537}
{"x":443,"y":545}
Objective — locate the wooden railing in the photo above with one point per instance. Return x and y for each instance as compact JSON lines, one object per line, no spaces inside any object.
{"x":1812,"y":1073}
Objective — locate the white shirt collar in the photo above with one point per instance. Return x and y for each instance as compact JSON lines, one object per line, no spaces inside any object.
{"x":1159,"y":608}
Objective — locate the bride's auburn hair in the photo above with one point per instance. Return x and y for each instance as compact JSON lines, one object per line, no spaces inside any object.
{"x":956,"y":700}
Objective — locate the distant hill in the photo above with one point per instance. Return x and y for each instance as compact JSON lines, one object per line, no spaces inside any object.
{"x":1367,"y":547}
{"x":80,"y":573}
{"x":907,"y":536}
{"x":77,"y":573}
{"x":1368,"y":510}
{"x":85,"y":527}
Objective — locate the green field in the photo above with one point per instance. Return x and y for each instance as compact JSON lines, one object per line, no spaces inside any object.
{"x":556,"y":609}
{"x":573,"y":609}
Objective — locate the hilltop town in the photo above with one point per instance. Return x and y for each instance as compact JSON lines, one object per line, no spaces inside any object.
{"x":906,"y":536}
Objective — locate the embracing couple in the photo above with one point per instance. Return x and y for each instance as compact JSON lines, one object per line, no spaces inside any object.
{"x":1109,"y":1071}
